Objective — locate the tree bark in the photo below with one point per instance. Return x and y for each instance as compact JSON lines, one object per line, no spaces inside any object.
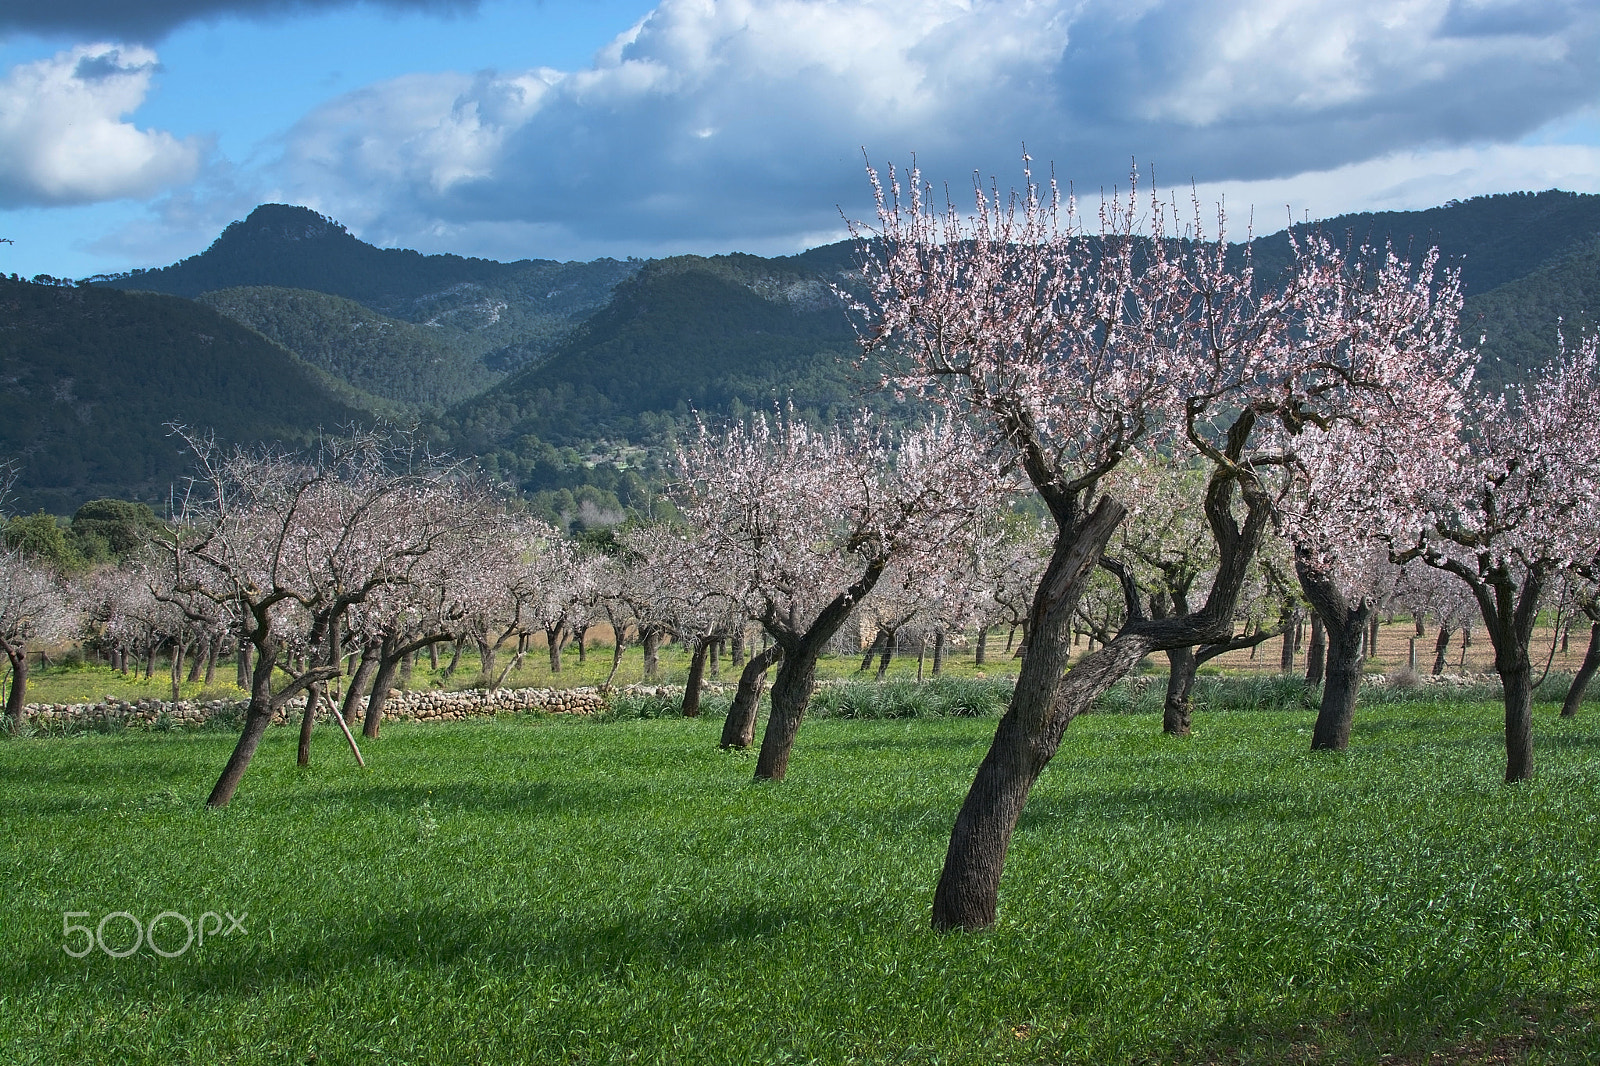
{"x":797,"y":672}
{"x":1177,"y":708}
{"x":17,"y":654}
{"x":256,"y":719}
{"x":967,"y":896}
{"x":1441,"y":648}
{"x":371,"y":654}
{"x":697,"y":670}
{"x":983,"y":646}
{"x":308,"y":719}
{"x":739,"y":730}
{"x":1586,"y":671}
{"x":1345,"y":625}
{"x":382,"y":682}
{"x":1316,"y":655}
{"x":553,"y":637}
{"x":650,"y":641}
{"x":1286,"y":652}
{"x":878,"y":640}
{"x":890,"y":639}
{"x":938,"y":651}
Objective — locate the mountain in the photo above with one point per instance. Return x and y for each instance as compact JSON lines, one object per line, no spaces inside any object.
{"x":419,"y":367}
{"x":569,"y":379}
{"x":503,"y":315}
{"x":92,"y":376}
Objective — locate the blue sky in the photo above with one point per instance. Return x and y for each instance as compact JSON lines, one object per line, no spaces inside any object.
{"x":130,"y":134}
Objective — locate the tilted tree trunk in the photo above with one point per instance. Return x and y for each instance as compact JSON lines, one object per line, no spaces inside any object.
{"x":1316,"y":655}
{"x":983,"y":646}
{"x":486,"y":655}
{"x":308,"y":719}
{"x":879,"y":640}
{"x":1441,"y":648}
{"x":393,"y":656}
{"x":697,"y":671}
{"x":1345,"y":624}
{"x":361,"y":680}
{"x":258,"y":715}
{"x":1044,"y":701}
{"x":891,"y":640}
{"x":1586,"y":671}
{"x":797,"y":671}
{"x":968,"y":892}
{"x":739,"y":729}
{"x":17,"y":655}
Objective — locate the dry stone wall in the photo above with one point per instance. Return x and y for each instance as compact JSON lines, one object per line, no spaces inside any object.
{"x":402,"y":706}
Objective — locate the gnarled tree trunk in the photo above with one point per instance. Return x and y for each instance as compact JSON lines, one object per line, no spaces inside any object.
{"x":1345,"y":624}
{"x":739,"y":730}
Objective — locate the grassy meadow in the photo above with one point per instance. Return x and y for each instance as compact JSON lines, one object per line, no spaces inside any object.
{"x":595,"y":891}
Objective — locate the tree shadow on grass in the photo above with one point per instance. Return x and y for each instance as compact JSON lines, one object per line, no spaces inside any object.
{"x":430,"y":938}
{"x":1187,"y":803}
{"x":520,"y":799}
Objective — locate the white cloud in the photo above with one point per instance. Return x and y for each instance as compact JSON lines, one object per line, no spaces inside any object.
{"x":740,"y":122}
{"x":62,"y":135}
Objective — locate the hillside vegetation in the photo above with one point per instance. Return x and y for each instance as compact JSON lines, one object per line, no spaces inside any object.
{"x":570,"y":378}
{"x":92,"y":376}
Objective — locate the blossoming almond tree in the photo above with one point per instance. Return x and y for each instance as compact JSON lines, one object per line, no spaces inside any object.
{"x":294,"y":541}
{"x":1521,"y":504}
{"x":1073,"y":352}
{"x":806,"y":521}
{"x":34,"y":608}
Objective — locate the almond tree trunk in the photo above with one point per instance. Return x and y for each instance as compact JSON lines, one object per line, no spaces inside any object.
{"x":1345,"y":624}
{"x":256,"y":719}
{"x":697,"y":670}
{"x":797,"y":672}
{"x":308,"y":719}
{"x":967,"y":896}
{"x":1316,"y":654}
{"x":1177,"y":708}
{"x":371,"y":654}
{"x":650,"y":641}
{"x":739,"y":730}
{"x":1580,"y":680}
{"x":17,"y":655}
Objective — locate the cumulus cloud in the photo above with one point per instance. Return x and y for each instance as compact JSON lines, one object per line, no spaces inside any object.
{"x":149,"y":20}
{"x":742,"y":120}
{"x":62,"y":135}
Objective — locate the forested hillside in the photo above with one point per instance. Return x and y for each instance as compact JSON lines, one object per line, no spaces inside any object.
{"x":569,"y":378}
{"x":425,"y":367}
{"x":92,"y":376}
{"x":501,"y":315}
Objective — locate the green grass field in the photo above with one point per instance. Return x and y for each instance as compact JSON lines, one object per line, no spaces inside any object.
{"x":543,"y":890}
